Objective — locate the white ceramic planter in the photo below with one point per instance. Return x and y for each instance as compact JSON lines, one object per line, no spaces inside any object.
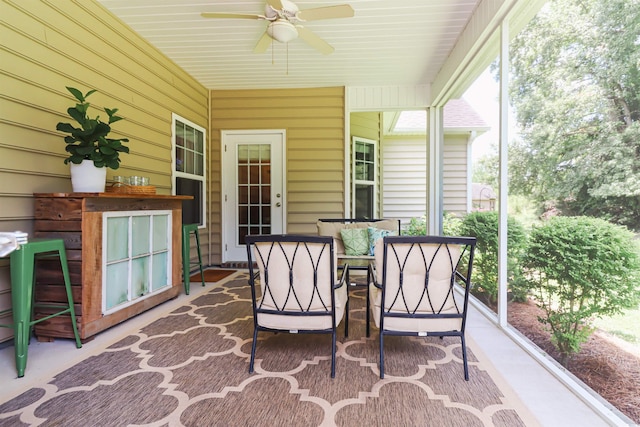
{"x":86,"y":178}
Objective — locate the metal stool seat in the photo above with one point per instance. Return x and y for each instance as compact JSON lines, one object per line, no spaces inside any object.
{"x":187,"y":229}
{"x":22,"y":262}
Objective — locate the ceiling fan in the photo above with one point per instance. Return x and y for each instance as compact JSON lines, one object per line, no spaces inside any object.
{"x":285,"y":23}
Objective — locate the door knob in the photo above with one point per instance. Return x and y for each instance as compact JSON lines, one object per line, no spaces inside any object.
{"x":278,"y":205}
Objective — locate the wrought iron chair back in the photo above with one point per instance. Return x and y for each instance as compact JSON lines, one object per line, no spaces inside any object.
{"x":294,"y":288}
{"x":421,"y":287}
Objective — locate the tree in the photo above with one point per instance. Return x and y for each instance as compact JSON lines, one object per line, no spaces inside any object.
{"x":575,"y":89}
{"x":580,"y":268}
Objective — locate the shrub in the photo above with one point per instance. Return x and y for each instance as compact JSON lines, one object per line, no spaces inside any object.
{"x":418,"y":226}
{"x":484,"y":227}
{"x":581,"y":268}
{"x":451,"y":225}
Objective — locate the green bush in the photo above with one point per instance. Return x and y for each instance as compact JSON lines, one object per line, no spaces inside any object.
{"x":451,"y":225}
{"x":418,"y":226}
{"x":581,"y":268}
{"x":484,"y":227}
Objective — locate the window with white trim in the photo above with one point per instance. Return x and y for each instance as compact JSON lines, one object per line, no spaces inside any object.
{"x":364,"y":177}
{"x":189,"y":168}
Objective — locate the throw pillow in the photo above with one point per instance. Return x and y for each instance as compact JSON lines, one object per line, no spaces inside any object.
{"x":375,"y":234}
{"x":355,"y":240}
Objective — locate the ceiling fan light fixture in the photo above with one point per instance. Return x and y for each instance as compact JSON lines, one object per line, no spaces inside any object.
{"x":282,"y":31}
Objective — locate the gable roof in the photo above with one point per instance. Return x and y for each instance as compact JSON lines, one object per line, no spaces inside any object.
{"x":459,"y":116}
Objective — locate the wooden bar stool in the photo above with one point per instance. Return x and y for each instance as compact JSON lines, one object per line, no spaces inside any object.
{"x":187,"y":229}
{"x":22,"y":263}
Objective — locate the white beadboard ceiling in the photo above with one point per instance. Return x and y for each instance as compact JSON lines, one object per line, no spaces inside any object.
{"x":386,"y":43}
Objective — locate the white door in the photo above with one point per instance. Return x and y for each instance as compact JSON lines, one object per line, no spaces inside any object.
{"x":253,"y":188}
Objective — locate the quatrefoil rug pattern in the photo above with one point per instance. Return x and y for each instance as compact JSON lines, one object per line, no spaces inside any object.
{"x":190,"y":368}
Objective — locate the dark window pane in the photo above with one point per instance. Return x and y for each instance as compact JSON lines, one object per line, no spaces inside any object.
{"x":243,"y":175}
{"x":364,"y":201}
{"x":242,"y":233}
{"x":266,"y":194}
{"x":254,"y":215}
{"x":243,"y":217}
{"x":255,"y":195}
{"x":255,"y":175}
{"x":266,"y":214}
{"x":243,"y":195}
{"x":191,"y":209}
{"x":266,"y":173}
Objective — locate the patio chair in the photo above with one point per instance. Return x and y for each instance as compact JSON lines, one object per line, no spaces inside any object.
{"x":295,"y":288}
{"x":414,"y":290}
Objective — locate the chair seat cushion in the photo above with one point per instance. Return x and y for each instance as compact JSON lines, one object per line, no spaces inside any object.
{"x":312,"y":323}
{"x":408,"y":324}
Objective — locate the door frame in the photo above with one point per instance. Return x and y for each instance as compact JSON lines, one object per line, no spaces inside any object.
{"x":225,"y":181}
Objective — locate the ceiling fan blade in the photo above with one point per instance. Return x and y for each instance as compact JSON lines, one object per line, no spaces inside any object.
{"x":314,"y":41}
{"x":230,"y":15}
{"x":263,"y":44}
{"x":276,"y":4}
{"x":329,"y":12}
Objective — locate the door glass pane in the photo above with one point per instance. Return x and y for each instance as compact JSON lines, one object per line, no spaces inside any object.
{"x":254,"y":185}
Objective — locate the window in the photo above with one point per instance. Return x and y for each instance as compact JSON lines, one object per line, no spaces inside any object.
{"x":136,"y":254}
{"x":364,"y":178}
{"x":189,"y":171}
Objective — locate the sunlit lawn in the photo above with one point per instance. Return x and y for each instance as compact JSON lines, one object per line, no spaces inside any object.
{"x":625,"y":326}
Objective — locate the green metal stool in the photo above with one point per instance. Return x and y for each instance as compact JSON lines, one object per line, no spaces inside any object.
{"x":22,"y":294}
{"x":187,"y":229}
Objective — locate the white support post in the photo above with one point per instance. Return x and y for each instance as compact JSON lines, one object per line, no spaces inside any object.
{"x":503,"y":167}
{"x":435,"y":160}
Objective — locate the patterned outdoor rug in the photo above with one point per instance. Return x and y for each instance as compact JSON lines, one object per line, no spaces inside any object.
{"x":191,"y":368}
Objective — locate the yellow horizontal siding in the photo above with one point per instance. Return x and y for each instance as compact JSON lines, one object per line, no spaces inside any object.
{"x":314,"y":122}
{"x":47,"y":45}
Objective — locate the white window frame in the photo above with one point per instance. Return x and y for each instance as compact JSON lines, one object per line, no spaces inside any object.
{"x":354,"y":181}
{"x":175,"y":174}
{"x":149,"y":254}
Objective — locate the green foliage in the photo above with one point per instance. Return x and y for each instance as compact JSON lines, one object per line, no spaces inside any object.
{"x":581,"y":268}
{"x":418,"y":226}
{"x":484,"y":227}
{"x":90,"y":141}
{"x":451,"y":225}
{"x":575,"y":88}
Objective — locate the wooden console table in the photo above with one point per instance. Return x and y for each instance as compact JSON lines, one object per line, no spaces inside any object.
{"x":124,"y":254}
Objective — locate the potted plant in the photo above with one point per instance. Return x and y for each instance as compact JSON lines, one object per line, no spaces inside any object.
{"x":89,"y":147}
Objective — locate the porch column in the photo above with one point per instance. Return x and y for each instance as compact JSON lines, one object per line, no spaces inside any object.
{"x":435,"y":160}
{"x":502,"y":176}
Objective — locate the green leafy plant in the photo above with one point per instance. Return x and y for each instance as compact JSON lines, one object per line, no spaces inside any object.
{"x":484,"y":227}
{"x":580,"y":269}
{"x":418,"y":226}
{"x":90,"y":140}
